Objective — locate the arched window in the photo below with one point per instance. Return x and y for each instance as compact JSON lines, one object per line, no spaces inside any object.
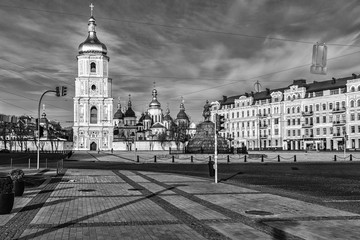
{"x":288,"y":110}
{"x":93,"y":115}
{"x":352,"y":104}
{"x":92,"y":67}
{"x":358,"y":88}
{"x":352,"y":89}
{"x":293,"y":110}
{"x":298,"y":109}
{"x":358,"y":103}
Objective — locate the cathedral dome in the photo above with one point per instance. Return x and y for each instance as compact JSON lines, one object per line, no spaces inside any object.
{"x":92,"y":44}
{"x":154,"y":102}
{"x":130,"y":113}
{"x":182,"y":115}
{"x":119,"y":114}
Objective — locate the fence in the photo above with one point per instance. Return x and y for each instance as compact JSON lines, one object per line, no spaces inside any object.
{"x":240,"y":158}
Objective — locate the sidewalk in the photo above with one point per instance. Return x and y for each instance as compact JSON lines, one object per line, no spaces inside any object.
{"x":101,"y":204}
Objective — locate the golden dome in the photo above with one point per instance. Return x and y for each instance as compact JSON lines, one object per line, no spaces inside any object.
{"x":92,"y":44}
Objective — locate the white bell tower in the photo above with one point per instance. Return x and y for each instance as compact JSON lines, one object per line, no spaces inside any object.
{"x":93,"y":102}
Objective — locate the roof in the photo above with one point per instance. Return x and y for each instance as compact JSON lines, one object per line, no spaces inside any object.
{"x":310,"y":87}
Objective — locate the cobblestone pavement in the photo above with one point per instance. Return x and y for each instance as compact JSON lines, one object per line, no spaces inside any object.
{"x":102,"y":204}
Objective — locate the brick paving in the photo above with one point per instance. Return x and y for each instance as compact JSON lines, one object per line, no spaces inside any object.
{"x":101,"y":204}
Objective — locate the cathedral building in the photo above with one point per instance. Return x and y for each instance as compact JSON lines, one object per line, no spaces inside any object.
{"x":95,"y":126}
{"x":93,"y":103}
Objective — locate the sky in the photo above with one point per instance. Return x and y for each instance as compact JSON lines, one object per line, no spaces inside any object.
{"x":196,"y":49}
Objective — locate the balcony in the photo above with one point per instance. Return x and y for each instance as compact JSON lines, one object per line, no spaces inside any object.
{"x":307,"y":125}
{"x":339,"y":123}
{"x":308,"y":113}
{"x":263,"y":136}
{"x":338,"y":135}
{"x":339,"y":110}
{"x":308,"y":136}
{"x":263,"y":126}
{"x":264,"y":115}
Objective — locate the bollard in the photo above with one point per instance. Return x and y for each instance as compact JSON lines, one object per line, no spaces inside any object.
{"x":334,"y":158}
{"x":278,"y":158}
{"x":244,"y":158}
{"x":262,"y":158}
{"x":11,"y":162}
{"x":192,"y":159}
{"x":154,"y":158}
{"x":46,"y":163}
{"x":228,"y":158}
{"x":350,"y":157}
{"x":173,"y":158}
{"x":29,"y":163}
{"x":294,"y":158}
{"x":137,"y":158}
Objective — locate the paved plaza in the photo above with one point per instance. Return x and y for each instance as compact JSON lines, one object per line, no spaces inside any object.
{"x":119,"y":204}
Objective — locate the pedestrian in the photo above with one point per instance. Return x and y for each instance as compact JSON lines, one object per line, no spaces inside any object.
{"x":98,"y":150}
{"x":112,"y":150}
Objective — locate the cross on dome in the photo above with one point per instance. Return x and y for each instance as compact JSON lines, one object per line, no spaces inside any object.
{"x":91,"y":8}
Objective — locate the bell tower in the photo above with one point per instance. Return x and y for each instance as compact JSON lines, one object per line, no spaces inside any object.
{"x":93,"y":102}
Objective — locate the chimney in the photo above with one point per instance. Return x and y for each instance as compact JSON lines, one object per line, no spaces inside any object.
{"x":333,"y":80}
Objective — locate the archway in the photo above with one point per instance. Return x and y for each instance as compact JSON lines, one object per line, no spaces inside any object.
{"x":93,"y":146}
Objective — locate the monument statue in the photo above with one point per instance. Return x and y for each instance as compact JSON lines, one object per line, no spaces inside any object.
{"x":207,"y":112}
{"x":204,"y":139}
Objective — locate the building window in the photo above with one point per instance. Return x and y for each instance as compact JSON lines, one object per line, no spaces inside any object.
{"x":289,"y":122}
{"x":294,"y":133}
{"x":298,"y":109}
{"x":352,"y":129}
{"x":324,"y":119}
{"x":317,"y":107}
{"x":324,"y":131}
{"x":352,"y":117}
{"x":232,"y":115}
{"x":317,"y":119}
{"x":237,"y":114}
{"x":318,"y":131}
{"x":331,"y":106}
{"x":276,"y":121}
{"x":359,"y":130}
{"x":324,"y":106}
{"x":93,"y":115}
{"x":293,"y":121}
{"x":358,"y":102}
{"x":352,"y":104}
{"x":289,"y":133}
{"x":298,"y":122}
{"x":92,"y":67}
{"x":352,"y":89}
{"x":331,"y":130}
{"x":293,"y":110}
{"x":299,"y":132}
{"x":277,"y":131}
{"x":358,"y":116}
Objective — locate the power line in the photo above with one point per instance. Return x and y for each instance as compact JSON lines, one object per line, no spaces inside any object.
{"x":178,"y":27}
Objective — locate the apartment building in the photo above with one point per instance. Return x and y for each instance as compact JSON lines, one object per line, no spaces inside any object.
{"x":318,"y":116}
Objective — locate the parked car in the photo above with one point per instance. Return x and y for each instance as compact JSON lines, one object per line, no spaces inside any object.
{"x":4,"y":151}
